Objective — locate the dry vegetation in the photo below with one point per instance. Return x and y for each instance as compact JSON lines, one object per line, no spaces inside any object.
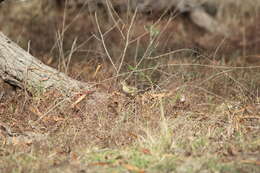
{"x":196,"y":108}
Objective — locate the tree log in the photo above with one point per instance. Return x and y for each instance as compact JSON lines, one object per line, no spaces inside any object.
{"x":21,"y":69}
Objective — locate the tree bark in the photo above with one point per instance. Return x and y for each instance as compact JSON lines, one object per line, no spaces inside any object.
{"x":21,"y":69}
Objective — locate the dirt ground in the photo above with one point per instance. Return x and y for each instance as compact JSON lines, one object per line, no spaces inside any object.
{"x":195,"y":104}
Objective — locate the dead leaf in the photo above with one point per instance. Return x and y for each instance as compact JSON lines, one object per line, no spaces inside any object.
{"x":97,"y":70}
{"x":132,"y":135}
{"x":78,"y":100}
{"x":74,"y":156}
{"x":99,"y":164}
{"x":133,"y":168}
{"x":81,"y":97}
{"x":36,"y":111}
{"x":146,"y":151}
{"x":256,"y":162}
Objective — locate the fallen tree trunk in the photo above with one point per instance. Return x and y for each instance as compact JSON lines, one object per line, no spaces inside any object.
{"x":21,"y":69}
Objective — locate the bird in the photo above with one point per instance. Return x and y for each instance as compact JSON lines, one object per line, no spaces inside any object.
{"x":128,"y":89}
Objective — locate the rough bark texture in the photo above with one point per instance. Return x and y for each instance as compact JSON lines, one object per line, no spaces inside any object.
{"x":21,"y":69}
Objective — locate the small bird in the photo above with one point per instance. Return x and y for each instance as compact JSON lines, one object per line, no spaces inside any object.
{"x":128,"y":89}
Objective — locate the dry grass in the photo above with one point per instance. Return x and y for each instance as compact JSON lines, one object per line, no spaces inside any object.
{"x":196,"y":109}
